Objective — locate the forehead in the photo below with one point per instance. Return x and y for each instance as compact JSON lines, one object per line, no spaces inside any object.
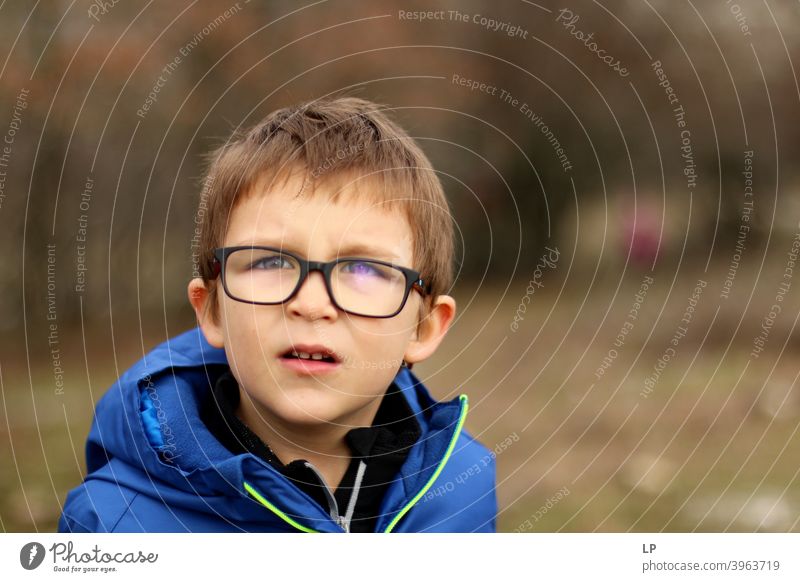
{"x":334,"y":219}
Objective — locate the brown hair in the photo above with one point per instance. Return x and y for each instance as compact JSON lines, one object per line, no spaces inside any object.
{"x":331,"y":140}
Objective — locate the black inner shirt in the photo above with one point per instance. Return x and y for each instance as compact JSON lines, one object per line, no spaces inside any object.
{"x":383,"y":447}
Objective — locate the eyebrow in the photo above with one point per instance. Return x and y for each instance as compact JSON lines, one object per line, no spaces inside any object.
{"x":350,"y":250}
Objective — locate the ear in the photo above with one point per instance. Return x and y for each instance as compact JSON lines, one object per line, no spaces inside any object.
{"x":199,"y":297}
{"x":431,"y":330}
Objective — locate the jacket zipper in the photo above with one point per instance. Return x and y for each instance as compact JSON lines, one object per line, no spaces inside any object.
{"x":333,"y":506}
{"x":332,"y":500}
{"x":342,"y":520}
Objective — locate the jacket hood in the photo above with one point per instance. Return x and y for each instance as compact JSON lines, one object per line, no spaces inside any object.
{"x":150,"y":420}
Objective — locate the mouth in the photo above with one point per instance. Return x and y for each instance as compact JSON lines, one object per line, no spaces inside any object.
{"x":309,"y":359}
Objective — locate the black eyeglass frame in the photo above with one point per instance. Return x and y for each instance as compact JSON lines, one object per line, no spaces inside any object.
{"x":413,"y":278}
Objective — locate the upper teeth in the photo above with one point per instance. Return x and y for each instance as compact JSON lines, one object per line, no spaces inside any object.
{"x":307,"y":356}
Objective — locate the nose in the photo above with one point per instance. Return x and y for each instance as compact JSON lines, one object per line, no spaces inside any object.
{"x":312,"y":300}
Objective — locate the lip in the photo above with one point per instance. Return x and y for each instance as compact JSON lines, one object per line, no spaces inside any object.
{"x":309,"y":367}
{"x":312,"y":349}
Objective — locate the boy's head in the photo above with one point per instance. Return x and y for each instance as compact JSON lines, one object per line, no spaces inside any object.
{"x":321,"y":181}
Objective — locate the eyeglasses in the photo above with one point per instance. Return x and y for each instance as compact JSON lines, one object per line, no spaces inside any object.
{"x":271,"y":276}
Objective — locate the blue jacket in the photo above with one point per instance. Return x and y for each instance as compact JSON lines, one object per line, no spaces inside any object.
{"x":153,"y":466}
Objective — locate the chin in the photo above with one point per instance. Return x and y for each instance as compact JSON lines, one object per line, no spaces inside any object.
{"x":314,"y":410}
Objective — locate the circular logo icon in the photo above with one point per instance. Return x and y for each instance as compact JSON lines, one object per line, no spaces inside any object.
{"x":31,"y":555}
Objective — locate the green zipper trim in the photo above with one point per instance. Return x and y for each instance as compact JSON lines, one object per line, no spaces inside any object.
{"x":448,"y":452}
{"x":463,"y":415}
{"x":251,"y":490}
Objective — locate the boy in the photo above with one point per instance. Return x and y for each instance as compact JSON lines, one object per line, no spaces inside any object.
{"x":327,"y":250}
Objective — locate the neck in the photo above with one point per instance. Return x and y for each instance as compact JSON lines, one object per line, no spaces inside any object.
{"x":323,"y":445}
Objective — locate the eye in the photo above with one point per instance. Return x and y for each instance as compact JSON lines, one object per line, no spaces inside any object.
{"x":272,"y":262}
{"x":364,"y":269}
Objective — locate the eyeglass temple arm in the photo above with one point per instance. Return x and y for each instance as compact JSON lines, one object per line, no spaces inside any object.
{"x":420,"y":286}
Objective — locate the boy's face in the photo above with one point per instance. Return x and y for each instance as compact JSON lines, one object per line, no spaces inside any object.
{"x":369,"y":350}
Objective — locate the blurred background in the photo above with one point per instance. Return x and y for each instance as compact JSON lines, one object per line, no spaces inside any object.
{"x":624,"y":180}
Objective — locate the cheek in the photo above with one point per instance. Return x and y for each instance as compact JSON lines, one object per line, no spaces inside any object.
{"x":385,"y":338}
{"x":246,"y":331}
